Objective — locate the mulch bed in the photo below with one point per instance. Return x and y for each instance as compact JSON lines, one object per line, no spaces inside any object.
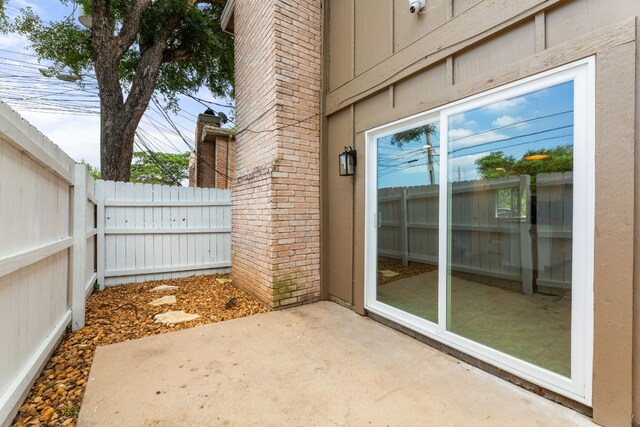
{"x":119,"y":314}
{"x":413,"y":269}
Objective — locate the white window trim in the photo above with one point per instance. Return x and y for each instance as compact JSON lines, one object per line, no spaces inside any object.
{"x":579,"y":387}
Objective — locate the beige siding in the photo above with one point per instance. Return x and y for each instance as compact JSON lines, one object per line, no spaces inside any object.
{"x":503,"y":49}
{"x":421,"y":84}
{"x":407,"y":28}
{"x":373,"y":21}
{"x":339,"y":219}
{"x":404,"y":64}
{"x":460,"y":6}
{"x":340,"y":53}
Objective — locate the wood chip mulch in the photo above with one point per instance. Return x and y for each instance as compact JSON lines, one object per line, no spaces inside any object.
{"x":413,"y":269}
{"x":119,"y":314}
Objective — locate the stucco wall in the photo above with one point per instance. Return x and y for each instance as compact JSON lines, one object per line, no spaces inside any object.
{"x":383,"y":64}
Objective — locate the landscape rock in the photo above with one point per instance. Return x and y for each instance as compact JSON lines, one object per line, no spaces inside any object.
{"x":166,"y":300}
{"x":164,"y":288}
{"x":389,"y":273}
{"x":173,"y":317}
{"x":117,"y":314}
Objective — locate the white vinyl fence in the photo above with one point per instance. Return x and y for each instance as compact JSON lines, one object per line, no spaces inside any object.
{"x":154,"y":232}
{"x":61,"y":233}
{"x":44,"y":256}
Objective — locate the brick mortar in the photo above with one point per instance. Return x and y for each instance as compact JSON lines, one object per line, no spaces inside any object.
{"x":276,"y":197}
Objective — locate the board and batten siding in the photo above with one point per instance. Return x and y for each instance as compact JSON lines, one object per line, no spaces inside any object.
{"x":459,"y":48}
{"x":45,"y":275}
{"x":156,"y":232}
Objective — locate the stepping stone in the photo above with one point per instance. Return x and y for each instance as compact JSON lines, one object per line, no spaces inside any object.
{"x":169,"y":299}
{"x":389,"y":273}
{"x":163,"y":288}
{"x":172,"y":317}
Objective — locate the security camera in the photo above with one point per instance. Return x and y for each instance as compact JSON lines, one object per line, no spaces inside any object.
{"x":416,"y":5}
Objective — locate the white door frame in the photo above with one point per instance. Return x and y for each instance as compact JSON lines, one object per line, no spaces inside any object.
{"x":579,"y":386}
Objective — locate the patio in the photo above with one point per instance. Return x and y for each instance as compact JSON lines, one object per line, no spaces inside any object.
{"x":318,"y":364}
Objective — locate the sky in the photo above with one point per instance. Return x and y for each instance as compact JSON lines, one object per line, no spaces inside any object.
{"x":69,"y":115}
{"x":541,"y":119}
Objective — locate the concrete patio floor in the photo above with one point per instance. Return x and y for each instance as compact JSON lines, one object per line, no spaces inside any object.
{"x":315,"y":365}
{"x":535,"y":328}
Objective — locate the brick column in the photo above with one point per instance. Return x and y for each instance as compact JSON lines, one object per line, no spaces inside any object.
{"x":276,"y":193}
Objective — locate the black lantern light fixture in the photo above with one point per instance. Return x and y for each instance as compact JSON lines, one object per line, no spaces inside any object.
{"x":348,"y":162}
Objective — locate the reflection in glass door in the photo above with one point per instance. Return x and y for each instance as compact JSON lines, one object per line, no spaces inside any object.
{"x":407,"y":220}
{"x":510,"y":226}
{"x":471,"y":234}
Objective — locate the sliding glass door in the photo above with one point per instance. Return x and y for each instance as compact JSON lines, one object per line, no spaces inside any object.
{"x":408,"y":194}
{"x":510,"y":198}
{"x":472,"y":238}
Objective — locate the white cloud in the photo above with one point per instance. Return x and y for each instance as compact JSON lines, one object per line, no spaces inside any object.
{"x":459,"y":133}
{"x":464,"y":168}
{"x":461,"y":120}
{"x":507,"y":121}
{"x":458,"y":119}
{"x":14,"y":42}
{"x":507,"y":105}
{"x":462,"y":137}
{"x":78,"y":136}
{"x":23,"y":4}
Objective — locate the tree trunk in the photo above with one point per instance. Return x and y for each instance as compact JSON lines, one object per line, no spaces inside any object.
{"x":118,"y":130}
{"x":116,"y":148}
{"x":120,"y":117}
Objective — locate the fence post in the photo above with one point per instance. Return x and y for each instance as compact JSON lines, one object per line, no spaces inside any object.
{"x":79,"y":247}
{"x":526,"y":257}
{"x":404,"y":227}
{"x":100,"y":248}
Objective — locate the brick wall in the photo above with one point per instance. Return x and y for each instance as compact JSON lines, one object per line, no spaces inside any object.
{"x":276,"y":197}
{"x":215,"y":161}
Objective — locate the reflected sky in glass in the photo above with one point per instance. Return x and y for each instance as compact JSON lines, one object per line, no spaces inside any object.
{"x":403,"y":162}
{"x":539,"y":120}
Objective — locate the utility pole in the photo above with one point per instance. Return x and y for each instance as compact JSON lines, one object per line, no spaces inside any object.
{"x":432,"y":178}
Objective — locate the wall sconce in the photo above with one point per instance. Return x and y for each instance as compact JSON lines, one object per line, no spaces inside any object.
{"x":348,"y":161}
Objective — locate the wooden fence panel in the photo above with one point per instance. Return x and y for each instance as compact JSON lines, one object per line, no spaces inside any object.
{"x":554,"y":231}
{"x":484,"y":242}
{"x":161,"y":232}
{"x":36,"y":201}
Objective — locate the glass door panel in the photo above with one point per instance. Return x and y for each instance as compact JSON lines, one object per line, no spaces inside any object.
{"x":407,"y":220}
{"x":509,"y":228}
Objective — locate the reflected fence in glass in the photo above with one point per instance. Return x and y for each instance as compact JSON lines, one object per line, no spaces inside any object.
{"x":510,"y":216}
{"x":407,"y":211}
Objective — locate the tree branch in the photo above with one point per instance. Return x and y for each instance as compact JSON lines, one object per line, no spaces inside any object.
{"x":130,"y":26}
{"x":147,"y":71}
{"x":181,"y":54}
{"x":105,"y":64}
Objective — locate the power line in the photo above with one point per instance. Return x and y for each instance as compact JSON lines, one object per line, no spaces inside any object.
{"x":192,"y":149}
{"x":511,"y":125}
{"x":509,"y":139}
{"x":155,"y":160}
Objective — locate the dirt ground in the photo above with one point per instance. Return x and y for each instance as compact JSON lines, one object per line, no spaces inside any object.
{"x":119,"y":314}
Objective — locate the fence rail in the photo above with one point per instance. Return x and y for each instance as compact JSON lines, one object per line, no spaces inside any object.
{"x":482,"y":242}
{"x":155,"y":232}
{"x":61,"y":232}
{"x":39,"y":290}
